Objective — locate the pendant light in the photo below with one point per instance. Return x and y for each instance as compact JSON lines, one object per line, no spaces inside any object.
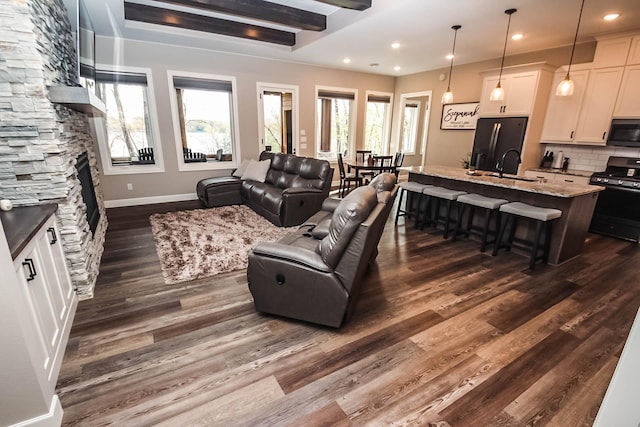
{"x":497,"y":94}
{"x":447,"y":97}
{"x":565,"y":88}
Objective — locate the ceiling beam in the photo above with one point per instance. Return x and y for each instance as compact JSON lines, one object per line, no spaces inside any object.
{"x":190,"y":21}
{"x":349,"y":4}
{"x":262,"y":10}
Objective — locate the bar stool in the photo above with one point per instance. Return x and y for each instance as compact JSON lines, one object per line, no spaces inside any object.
{"x":543,"y":218}
{"x":473,"y":201}
{"x":440,"y":193}
{"x":414,"y":188}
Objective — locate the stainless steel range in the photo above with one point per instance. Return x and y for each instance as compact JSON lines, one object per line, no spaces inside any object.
{"x":617,"y":212}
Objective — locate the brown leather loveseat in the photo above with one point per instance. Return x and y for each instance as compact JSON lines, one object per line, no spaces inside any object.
{"x":293,"y":190}
{"x":316,"y":273}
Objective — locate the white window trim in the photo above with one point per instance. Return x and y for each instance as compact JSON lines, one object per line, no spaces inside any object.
{"x":387,"y":120}
{"x":353,"y":118}
{"x":293,"y":89}
{"x":99,"y":129}
{"x":173,"y":101}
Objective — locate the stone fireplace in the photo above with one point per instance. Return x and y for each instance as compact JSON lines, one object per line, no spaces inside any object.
{"x":40,"y":141}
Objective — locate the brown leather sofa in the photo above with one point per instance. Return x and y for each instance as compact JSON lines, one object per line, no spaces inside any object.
{"x":293,"y":190}
{"x":316,"y":273}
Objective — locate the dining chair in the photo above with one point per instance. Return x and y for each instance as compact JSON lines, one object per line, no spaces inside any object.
{"x":346,"y":178}
{"x":397,"y":162}
{"x":361,"y":155}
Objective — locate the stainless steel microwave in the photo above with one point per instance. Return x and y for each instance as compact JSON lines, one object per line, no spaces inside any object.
{"x":624,"y":133}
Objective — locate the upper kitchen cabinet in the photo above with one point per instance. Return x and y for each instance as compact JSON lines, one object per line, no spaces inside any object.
{"x":628,"y":104}
{"x":563,"y":111}
{"x":519,"y":93}
{"x":611,"y":52}
{"x":597,"y":107}
{"x":634,"y":52}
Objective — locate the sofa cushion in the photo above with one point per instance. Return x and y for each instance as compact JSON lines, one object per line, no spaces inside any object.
{"x":241,"y":169}
{"x":348,"y":215}
{"x":272,"y":198}
{"x":256,"y":171}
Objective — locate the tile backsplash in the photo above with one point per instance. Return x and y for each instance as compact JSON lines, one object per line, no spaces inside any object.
{"x":590,"y":158}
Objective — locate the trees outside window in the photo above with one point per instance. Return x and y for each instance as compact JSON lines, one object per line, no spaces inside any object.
{"x":410,"y":127}
{"x":377,"y":123}
{"x":128,"y":126}
{"x":335,"y":118}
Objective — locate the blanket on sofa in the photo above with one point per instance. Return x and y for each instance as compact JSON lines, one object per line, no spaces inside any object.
{"x":204,"y":242}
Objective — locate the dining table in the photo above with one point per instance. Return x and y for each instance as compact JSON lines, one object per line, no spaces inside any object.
{"x":358,"y":167}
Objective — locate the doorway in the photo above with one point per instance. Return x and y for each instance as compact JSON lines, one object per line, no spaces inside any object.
{"x":278,"y":117}
{"x":412,"y":127}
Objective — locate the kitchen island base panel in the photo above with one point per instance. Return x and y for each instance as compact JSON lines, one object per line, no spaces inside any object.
{"x":568,"y":233}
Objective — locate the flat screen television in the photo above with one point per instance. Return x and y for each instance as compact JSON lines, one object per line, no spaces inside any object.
{"x":85,"y":42}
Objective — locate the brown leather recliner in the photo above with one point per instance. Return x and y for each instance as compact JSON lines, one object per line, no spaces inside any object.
{"x":315,"y":273}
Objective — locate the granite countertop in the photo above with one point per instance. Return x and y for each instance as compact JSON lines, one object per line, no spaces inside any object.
{"x":575,"y":172}
{"x":21,"y":224}
{"x":564,"y":189}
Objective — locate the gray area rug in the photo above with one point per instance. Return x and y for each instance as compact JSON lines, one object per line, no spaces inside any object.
{"x":204,"y":242}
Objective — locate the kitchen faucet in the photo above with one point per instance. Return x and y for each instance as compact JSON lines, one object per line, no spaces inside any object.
{"x":500,"y":164}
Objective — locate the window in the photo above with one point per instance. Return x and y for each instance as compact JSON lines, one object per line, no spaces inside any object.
{"x":205,"y":115}
{"x":376,"y":131}
{"x":128,"y":134}
{"x":335,"y":131}
{"x":410,"y":126}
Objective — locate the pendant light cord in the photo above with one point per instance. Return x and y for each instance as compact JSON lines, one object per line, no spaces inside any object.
{"x":506,"y":37}
{"x":455,"y":35}
{"x":575,"y":38}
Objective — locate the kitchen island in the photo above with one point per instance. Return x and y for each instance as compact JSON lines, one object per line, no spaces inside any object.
{"x":576,"y":201}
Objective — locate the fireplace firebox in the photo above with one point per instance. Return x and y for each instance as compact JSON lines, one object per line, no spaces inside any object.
{"x":88,"y":191}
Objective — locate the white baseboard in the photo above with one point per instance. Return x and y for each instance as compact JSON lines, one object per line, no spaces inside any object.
{"x":53,"y":418}
{"x":150,"y":200}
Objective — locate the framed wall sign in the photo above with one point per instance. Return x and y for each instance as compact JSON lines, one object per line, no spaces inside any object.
{"x":460,"y":116}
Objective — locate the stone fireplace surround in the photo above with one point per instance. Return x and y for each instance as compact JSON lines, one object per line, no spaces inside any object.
{"x":39,"y":140}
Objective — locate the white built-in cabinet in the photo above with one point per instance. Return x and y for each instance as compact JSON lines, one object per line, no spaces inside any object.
{"x":48,"y":297}
{"x":563,"y":111}
{"x":36,"y":314}
{"x":606,"y":88}
{"x":519,"y":94}
{"x":598,"y":104}
{"x":628,"y":104}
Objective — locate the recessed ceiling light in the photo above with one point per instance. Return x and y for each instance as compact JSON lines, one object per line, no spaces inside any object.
{"x":346,"y":60}
{"x":449,"y":56}
{"x":516,"y":36}
{"x":611,"y":16}
{"x":396,"y":68}
{"x":395,"y":45}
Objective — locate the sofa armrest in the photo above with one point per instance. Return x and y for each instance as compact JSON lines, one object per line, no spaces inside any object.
{"x":330,"y":204}
{"x":292,"y":254}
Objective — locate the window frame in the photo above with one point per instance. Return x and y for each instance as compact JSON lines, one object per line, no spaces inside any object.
{"x":295,"y":125}
{"x":414,"y":128}
{"x":353,"y":118}
{"x":386,"y":144}
{"x":99,"y":127}
{"x":177,"y":127}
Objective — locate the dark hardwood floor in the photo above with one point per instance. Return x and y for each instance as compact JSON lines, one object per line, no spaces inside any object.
{"x":443,"y":335}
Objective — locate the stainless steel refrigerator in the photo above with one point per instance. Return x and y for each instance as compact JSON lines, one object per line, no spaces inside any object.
{"x":494,"y":136}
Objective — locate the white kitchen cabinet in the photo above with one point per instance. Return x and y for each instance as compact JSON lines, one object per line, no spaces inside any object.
{"x":598,"y":105}
{"x":628,"y":103}
{"x":36,"y":312}
{"x":563,"y":112}
{"x":634,"y":51}
{"x":557,"y":177}
{"x":519,"y":94}
{"x":49,"y":296}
